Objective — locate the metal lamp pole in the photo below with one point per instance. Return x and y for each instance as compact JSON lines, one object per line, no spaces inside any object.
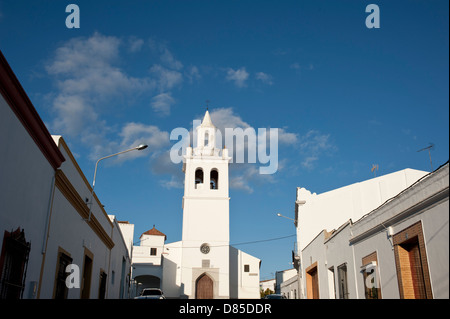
{"x":137,"y":148}
{"x":299,"y":254}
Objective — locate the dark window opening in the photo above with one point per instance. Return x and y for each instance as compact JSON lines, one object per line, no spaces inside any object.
{"x":206,"y":139}
{"x":61,"y":289}
{"x":102,"y":289}
{"x":86,"y":281}
{"x":342,"y":279}
{"x":214,"y":179}
{"x":198,"y":177}
{"x":13,"y":264}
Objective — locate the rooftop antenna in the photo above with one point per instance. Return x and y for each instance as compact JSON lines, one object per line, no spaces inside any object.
{"x":429,"y":148}
{"x":374,"y":169}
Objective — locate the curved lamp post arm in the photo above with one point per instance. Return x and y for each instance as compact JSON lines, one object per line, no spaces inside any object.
{"x":137,"y":148}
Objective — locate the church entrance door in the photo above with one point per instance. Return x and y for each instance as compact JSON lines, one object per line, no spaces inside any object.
{"x":204,"y":287}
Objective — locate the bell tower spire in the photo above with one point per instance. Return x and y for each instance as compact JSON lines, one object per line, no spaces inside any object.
{"x":206,"y":138}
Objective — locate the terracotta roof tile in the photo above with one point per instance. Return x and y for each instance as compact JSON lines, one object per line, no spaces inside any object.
{"x":154,"y":232}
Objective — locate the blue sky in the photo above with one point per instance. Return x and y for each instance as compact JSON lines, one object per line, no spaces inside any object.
{"x":343,"y":96}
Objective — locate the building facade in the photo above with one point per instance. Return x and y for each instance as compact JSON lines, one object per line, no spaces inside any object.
{"x":399,"y":249}
{"x":45,"y":234}
{"x":202,"y":264}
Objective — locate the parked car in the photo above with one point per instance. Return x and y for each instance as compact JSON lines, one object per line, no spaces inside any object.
{"x":151,"y":293}
{"x":275,"y":296}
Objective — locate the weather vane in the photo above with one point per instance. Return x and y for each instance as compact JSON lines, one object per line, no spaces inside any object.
{"x":207,"y":104}
{"x":374,"y":169}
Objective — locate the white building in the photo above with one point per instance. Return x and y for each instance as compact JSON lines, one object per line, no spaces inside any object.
{"x":397,"y":248}
{"x":202,"y":264}
{"x":267,"y":284}
{"x":286,"y":283}
{"x":44,"y":210}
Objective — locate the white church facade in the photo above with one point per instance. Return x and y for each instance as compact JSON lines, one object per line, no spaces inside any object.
{"x":202,"y":265}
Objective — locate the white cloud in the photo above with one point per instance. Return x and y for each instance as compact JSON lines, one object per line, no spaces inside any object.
{"x":166,"y":78}
{"x":161,"y":164}
{"x":239,"y":77}
{"x":245,"y":177}
{"x":78,"y":55}
{"x":168,"y":59}
{"x":134,"y":134}
{"x":131,"y":135}
{"x":173,"y":182}
{"x":161,"y":103}
{"x":225,"y":117}
{"x":264,"y":77}
{"x":241,"y":183}
{"x":86,"y":67}
{"x":286,"y":137}
{"x":297,"y":66}
{"x":135,"y":44}
{"x":312,"y":145}
{"x":192,"y":74}
{"x":88,"y":81}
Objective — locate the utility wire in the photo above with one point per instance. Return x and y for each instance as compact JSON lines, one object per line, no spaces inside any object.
{"x":237,"y":244}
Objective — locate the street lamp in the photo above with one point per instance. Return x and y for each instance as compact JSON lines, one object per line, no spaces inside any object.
{"x":299,"y":254}
{"x":279,"y":215}
{"x":137,"y":148}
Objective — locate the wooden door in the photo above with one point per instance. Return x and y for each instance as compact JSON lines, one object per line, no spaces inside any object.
{"x":314,"y":283}
{"x":204,"y":287}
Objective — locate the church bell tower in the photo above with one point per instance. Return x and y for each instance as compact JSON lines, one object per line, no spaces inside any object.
{"x":206,"y":234}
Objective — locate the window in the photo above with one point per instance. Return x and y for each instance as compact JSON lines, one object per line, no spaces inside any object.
{"x":13,"y":264}
{"x":370,"y":275}
{"x":61,"y":289}
{"x":206,"y":139}
{"x":342,"y":279}
{"x":152,"y":251}
{"x":214,"y":179}
{"x":198,"y":177}
{"x":205,"y":249}
{"x":246,"y":268}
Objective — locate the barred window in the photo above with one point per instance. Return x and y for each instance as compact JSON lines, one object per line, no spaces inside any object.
{"x":13,"y":264}
{"x":61,"y":289}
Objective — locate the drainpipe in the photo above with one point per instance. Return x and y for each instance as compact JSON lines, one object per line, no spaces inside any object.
{"x":49,"y":211}
{"x":299,"y":203}
{"x":46,"y":231}
{"x":354,"y":267}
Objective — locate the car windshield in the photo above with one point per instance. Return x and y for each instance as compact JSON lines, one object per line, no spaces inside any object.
{"x":151,"y":292}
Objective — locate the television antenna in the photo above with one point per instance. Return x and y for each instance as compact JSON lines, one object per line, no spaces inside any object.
{"x":374,"y":169}
{"x":429,"y":148}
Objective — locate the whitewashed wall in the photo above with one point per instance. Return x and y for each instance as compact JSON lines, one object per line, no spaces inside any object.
{"x":426,"y":202}
{"x":26,"y":180}
{"x":243,"y":285}
{"x":331,"y":209}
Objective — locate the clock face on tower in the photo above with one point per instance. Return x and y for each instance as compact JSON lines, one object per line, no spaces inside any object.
{"x":204,"y":248}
